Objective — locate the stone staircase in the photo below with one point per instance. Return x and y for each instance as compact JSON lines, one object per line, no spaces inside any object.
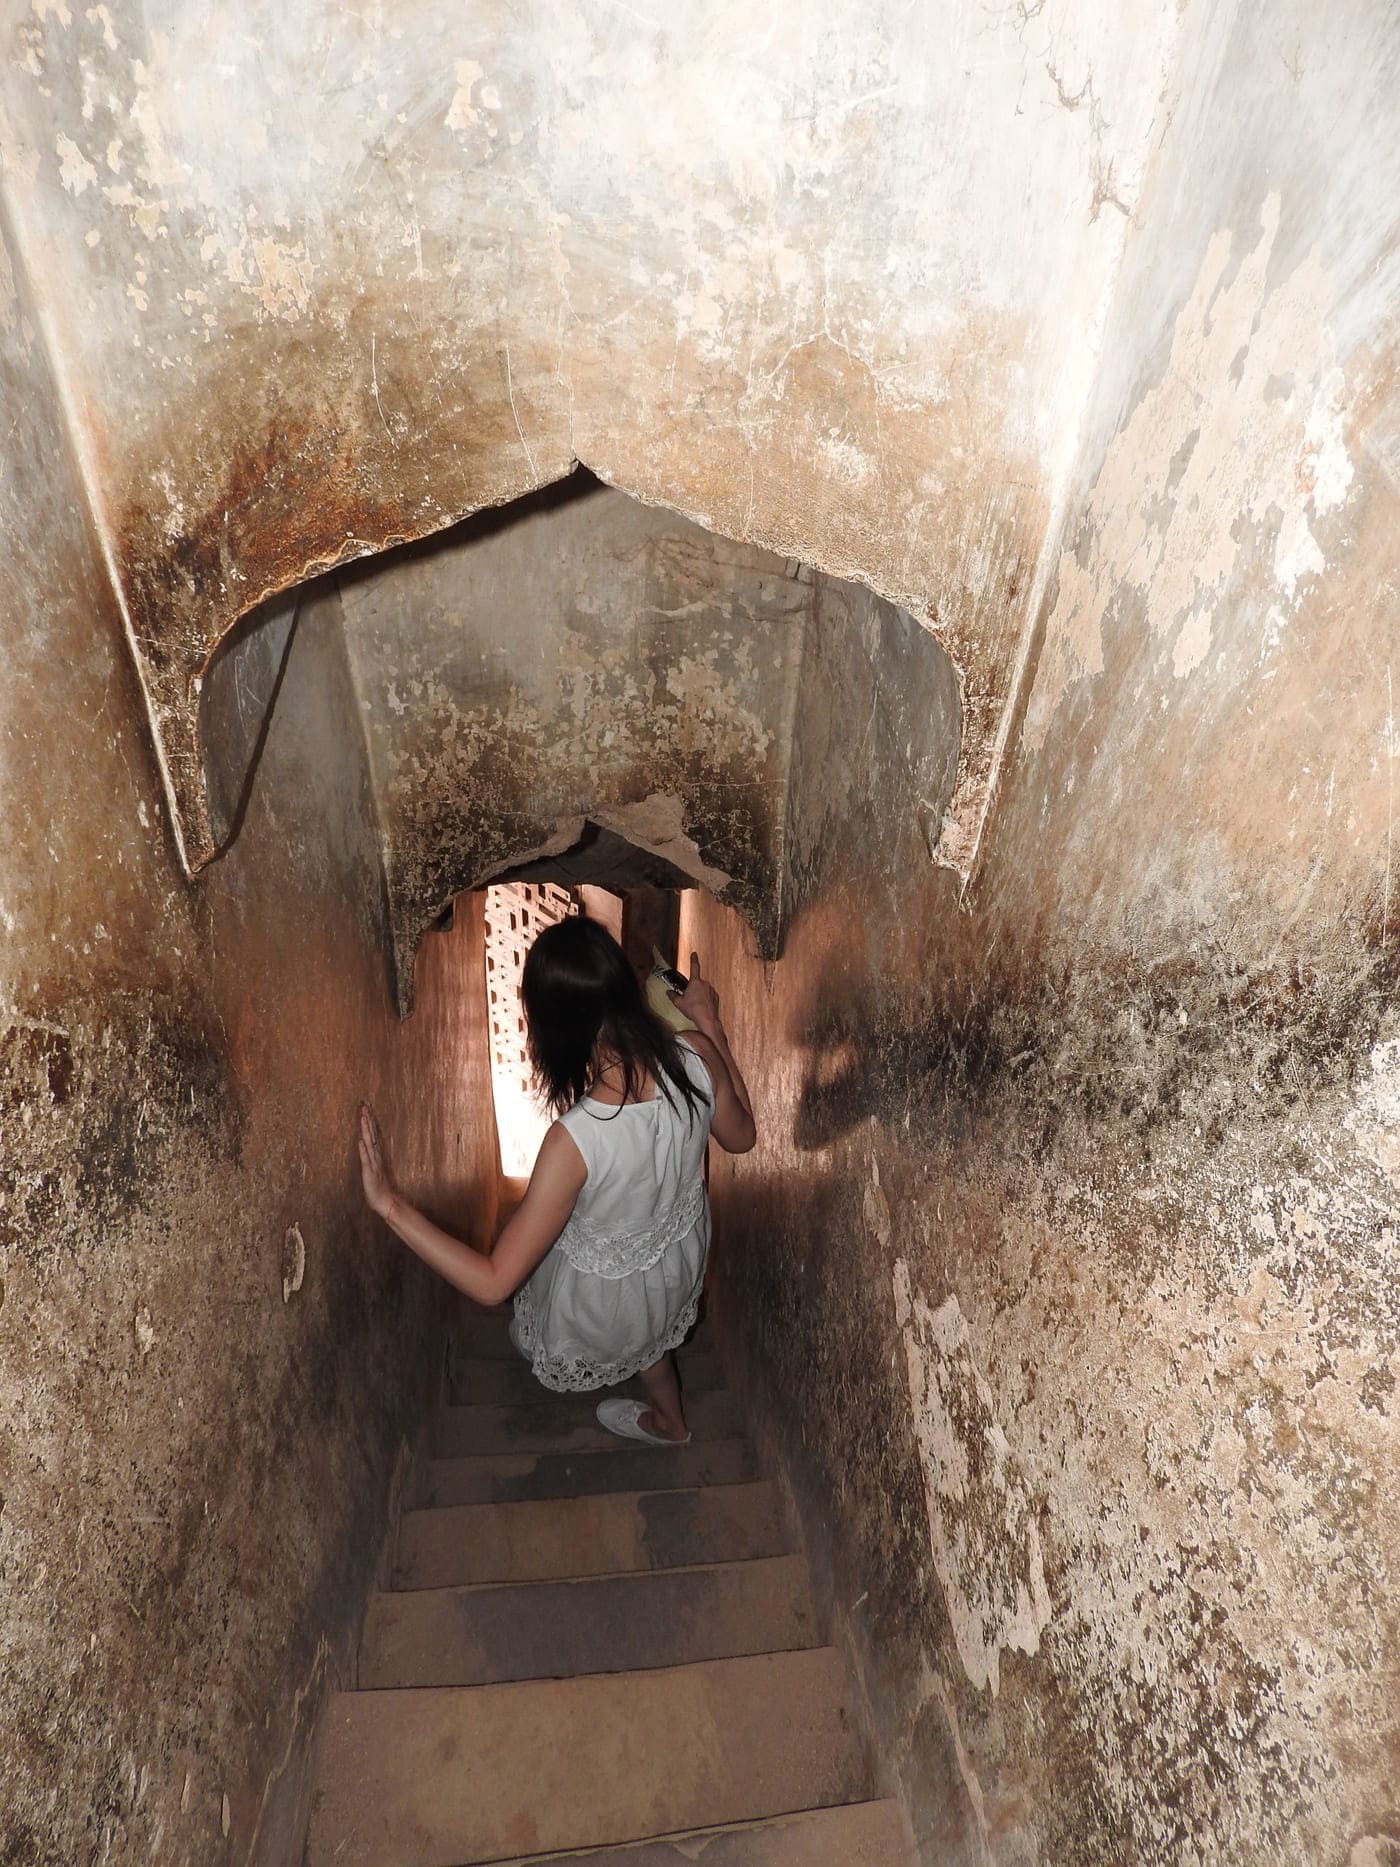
{"x":593,"y":1651}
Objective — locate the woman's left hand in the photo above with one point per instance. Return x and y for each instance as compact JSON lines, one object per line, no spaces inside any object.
{"x":699,"y":1001}
{"x":374,"y":1173}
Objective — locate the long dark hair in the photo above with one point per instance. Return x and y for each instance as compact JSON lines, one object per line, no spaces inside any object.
{"x":583,"y":1006}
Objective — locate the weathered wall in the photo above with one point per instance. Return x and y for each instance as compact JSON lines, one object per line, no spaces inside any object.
{"x":827,"y":278}
{"x":1067,"y":1266}
{"x":1068,"y":1261}
{"x":194,"y":1455}
{"x":580,"y":656}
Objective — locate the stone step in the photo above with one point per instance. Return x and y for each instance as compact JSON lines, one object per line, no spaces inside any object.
{"x":560,"y":1538}
{"x":446,"y":1775}
{"x":474,"y":1380}
{"x":856,"y":1834}
{"x":564,"y":1425}
{"x":501,"y":1477}
{"x":612,"y":1623}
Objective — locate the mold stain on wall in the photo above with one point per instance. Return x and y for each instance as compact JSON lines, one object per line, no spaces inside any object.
{"x":583,"y":656}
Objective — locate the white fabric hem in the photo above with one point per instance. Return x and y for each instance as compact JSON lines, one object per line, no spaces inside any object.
{"x":580,"y":1374}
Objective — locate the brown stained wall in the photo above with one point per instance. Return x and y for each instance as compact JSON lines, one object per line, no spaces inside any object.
{"x":193,"y":1469}
{"x":582,"y":656}
{"x":1067,"y":1265}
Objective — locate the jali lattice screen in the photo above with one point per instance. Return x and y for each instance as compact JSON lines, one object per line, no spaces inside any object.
{"x":515,"y":913}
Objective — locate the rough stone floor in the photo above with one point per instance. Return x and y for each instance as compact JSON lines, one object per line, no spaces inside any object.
{"x":590,"y":1645}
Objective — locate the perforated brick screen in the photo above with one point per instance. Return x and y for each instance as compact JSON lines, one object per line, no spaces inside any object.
{"x":515,"y":914}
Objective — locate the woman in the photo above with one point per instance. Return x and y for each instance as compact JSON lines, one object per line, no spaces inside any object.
{"x":605,"y":1255}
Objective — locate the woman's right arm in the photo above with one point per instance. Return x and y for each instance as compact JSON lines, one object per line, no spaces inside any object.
{"x":733,"y":1123}
{"x":554,"y":1187}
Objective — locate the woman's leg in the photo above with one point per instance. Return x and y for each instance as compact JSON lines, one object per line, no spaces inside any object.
{"x":666,"y":1414}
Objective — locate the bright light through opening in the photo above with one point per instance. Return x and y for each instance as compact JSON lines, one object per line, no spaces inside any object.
{"x":516,"y":913}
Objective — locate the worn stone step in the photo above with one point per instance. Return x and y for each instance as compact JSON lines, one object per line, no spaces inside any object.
{"x":565,"y":1425}
{"x":857,"y":1834}
{"x":437,"y":1777}
{"x":501,"y":1477}
{"x":474,"y":1380}
{"x":558,"y":1538}
{"x":611,"y":1623}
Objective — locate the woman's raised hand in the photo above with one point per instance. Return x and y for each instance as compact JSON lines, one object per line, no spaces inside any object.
{"x":374,"y":1172}
{"x":699,"y":1001}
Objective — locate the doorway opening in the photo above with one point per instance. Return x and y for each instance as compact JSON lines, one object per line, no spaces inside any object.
{"x":637,"y":896}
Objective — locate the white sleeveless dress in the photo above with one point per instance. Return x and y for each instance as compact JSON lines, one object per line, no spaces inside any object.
{"x":621,"y":1283}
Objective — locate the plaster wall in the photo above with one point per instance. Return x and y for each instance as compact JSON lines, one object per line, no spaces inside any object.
{"x":583,"y":656}
{"x":824,"y":278}
{"x":207,"y":1356}
{"x":1066,"y":1268}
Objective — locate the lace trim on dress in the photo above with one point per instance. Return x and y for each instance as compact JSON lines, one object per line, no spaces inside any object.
{"x":614,"y":1254}
{"x":579,"y":1374}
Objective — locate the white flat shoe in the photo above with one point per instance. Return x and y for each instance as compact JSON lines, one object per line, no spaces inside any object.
{"x":624,"y":1417}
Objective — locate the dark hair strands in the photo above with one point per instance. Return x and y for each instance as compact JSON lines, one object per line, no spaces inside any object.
{"x":583,"y":1006}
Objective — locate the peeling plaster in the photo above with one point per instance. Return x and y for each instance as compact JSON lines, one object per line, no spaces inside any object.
{"x":75,"y":172}
{"x":657,"y":825}
{"x":1375,"y":1117}
{"x":1046,"y":297}
{"x":982,"y":1526}
{"x":1213,"y":445}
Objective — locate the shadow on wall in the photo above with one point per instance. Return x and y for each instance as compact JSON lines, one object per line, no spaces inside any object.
{"x":876,"y":1043}
{"x":479,"y":528}
{"x":922,"y":1047}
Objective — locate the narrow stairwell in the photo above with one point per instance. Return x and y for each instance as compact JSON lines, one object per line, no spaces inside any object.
{"x":593,"y":1650}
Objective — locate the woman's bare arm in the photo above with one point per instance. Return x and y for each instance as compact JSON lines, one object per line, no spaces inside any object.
{"x":554,"y":1186}
{"x":733,"y":1125}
